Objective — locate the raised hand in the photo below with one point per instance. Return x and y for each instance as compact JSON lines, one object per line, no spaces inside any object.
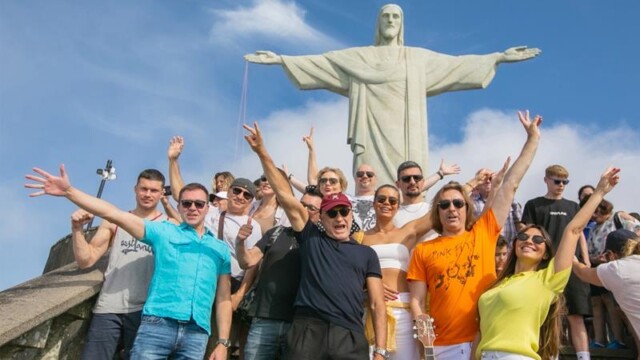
{"x":608,"y":180}
{"x":520,"y":53}
{"x":531,"y":126}
{"x":245,"y":230}
{"x":254,"y":138}
{"x":448,"y":169}
{"x":80,"y":218}
{"x":49,"y":184}
{"x":308,"y":139}
{"x":176,"y":144}
{"x":498,"y":176}
{"x":264,"y":57}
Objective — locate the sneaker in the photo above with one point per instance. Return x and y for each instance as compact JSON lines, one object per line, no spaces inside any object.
{"x":595,"y":345}
{"x":615,"y":344}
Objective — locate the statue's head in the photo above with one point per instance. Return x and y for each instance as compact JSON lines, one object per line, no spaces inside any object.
{"x":390,"y":25}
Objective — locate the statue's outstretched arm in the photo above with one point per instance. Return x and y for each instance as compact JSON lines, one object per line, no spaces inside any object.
{"x":264,"y":57}
{"x":519,"y":53}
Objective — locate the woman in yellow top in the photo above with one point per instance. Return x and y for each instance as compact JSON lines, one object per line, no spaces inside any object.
{"x":521,"y":311}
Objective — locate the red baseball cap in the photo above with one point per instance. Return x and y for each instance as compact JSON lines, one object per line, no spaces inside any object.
{"x":333,"y":200}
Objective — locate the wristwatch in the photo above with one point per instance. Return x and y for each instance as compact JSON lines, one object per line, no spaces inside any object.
{"x":382,"y":352}
{"x":224,"y":342}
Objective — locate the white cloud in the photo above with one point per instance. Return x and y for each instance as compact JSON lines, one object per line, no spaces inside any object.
{"x":271,"y":19}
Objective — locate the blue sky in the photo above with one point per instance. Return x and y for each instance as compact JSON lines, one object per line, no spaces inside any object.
{"x":83,"y":82}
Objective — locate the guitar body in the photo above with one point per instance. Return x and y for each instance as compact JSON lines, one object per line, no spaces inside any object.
{"x":424,"y":331}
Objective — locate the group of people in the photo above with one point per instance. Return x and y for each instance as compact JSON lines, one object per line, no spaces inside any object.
{"x":336,"y":276}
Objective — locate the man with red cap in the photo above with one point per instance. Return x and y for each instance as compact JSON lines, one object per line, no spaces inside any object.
{"x":333,"y":273}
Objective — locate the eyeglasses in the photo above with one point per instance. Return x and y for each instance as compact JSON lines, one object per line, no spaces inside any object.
{"x":381,"y":199}
{"x":343,"y":211}
{"x":331,"y":181}
{"x":407,"y":178}
{"x":245,"y":194}
{"x":309,"y":206}
{"x":369,"y":174}
{"x":445,"y":204}
{"x":537,"y":239}
{"x":187,"y":203}
{"x":560,"y":181}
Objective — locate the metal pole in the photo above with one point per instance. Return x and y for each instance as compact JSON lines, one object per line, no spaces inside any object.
{"x":108,"y":173}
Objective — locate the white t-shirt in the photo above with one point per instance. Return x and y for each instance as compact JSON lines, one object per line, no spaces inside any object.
{"x":230,"y":230}
{"x":411,"y":212}
{"x":622,"y":278}
{"x":363,"y":212}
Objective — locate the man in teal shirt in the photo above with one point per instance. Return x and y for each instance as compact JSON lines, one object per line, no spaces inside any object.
{"x":191,"y":265}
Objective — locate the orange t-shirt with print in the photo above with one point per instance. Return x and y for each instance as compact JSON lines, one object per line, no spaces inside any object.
{"x":457,"y":270}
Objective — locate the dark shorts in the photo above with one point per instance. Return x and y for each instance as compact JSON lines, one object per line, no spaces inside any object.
{"x":311,"y":338}
{"x":577,"y":295}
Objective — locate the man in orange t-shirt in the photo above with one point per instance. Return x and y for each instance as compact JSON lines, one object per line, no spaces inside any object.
{"x":459,"y":266}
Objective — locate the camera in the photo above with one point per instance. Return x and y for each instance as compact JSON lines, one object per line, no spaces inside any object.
{"x":167,"y":190}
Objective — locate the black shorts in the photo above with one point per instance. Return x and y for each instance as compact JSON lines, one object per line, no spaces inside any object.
{"x":577,"y":295}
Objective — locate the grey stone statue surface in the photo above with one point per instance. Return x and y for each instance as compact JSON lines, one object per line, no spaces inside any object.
{"x":386,"y":85}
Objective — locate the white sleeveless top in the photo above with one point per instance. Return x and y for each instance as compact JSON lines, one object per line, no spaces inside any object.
{"x":394,"y":256}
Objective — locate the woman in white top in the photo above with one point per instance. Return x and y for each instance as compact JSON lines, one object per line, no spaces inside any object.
{"x":393,"y":246}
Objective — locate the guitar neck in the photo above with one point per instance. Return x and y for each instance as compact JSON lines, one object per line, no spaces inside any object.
{"x":428,"y":353}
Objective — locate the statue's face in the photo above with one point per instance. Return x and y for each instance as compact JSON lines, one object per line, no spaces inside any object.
{"x":390,"y":22}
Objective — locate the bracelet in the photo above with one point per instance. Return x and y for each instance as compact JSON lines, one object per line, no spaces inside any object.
{"x":440,"y":174}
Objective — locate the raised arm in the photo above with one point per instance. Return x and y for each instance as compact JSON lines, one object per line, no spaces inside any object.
{"x":297,"y":184}
{"x":296,"y":213}
{"x":175,"y":177}
{"x":504,"y":197}
{"x":443,"y":170}
{"x":417,"y":229}
{"x":571,"y":234}
{"x":60,"y":186}
{"x":312,"y":163}
{"x":496,"y":183}
{"x":86,"y":253}
{"x":518,"y":53}
{"x":172,"y":213}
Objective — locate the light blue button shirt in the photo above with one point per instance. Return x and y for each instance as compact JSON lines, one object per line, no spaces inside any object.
{"x":186,"y":272}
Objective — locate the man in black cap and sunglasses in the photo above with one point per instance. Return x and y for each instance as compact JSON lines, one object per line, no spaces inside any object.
{"x":334,"y":271}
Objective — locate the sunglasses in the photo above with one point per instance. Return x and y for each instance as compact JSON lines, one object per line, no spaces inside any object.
{"x":309,"y":206}
{"x":187,"y":203}
{"x":263,"y":178}
{"x":445,"y":204}
{"x":407,"y":178}
{"x":343,"y":211}
{"x":537,"y":239}
{"x":381,"y":199}
{"x":369,"y":174}
{"x":245,"y":194}
{"x":559,"y":181}
{"x":331,"y":181}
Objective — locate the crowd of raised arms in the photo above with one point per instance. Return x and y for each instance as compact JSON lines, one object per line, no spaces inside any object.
{"x":248,"y":269}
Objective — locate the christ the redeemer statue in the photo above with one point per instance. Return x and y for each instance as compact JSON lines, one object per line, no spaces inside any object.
{"x":386,"y":85}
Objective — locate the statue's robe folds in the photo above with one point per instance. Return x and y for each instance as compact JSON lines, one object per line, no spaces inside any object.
{"x":386,"y":87}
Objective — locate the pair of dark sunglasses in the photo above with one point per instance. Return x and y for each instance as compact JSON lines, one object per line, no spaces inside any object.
{"x":381,"y":199}
{"x":332,"y":181}
{"x":263,"y":178}
{"x":369,"y":174}
{"x":187,"y":204}
{"x":457,"y":203}
{"x":537,"y":239}
{"x":407,"y":178}
{"x":559,"y":181}
{"x":343,"y":211}
{"x":245,"y":194}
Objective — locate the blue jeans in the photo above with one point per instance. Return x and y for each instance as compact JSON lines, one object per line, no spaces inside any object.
{"x":109,"y":332}
{"x":267,"y":338}
{"x":161,"y":338}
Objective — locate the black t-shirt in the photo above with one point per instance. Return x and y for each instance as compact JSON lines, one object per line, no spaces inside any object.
{"x":333,"y":277}
{"x":553,"y":215}
{"x":279,"y":276}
